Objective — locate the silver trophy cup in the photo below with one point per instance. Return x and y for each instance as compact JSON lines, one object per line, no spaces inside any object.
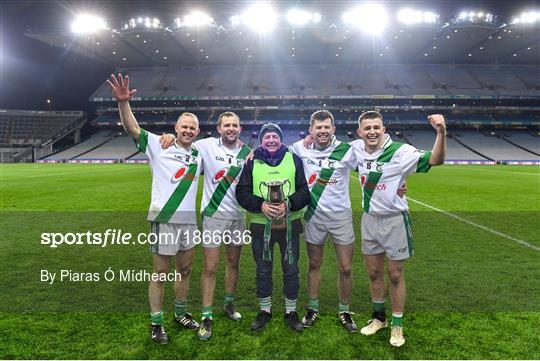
{"x":275,"y":194}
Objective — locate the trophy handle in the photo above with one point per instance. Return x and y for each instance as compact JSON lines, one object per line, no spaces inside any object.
{"x":260,"y":190}
{"x":286,"y":181}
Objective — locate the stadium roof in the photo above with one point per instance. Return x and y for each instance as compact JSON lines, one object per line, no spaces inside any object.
{"x":472,"y":37}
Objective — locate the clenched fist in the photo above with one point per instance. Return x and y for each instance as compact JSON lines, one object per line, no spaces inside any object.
{"x":437,"y":122}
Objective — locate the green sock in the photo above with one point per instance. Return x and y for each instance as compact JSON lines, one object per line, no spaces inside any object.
{"x":229,"y":298}
{"x":314,"y":304}
{"x":156,"y":318}
{"x":180,"y":308}
{"x":397,"y":319}
{"x":290,"y":305}
{"x":343,"y":307}
{"x":378,"y":306}
{"x":265,"y":303}
{"x":207,"y":312}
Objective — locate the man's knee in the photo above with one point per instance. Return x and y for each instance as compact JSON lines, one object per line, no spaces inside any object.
{"x":210,"y":270}
{"x":395,"y":276}
{"x":345,"y":271}
{"x":375,"y":274}
{"x":315,"y":263}
{"x":233,"y":261}
{"x":184,"y":270}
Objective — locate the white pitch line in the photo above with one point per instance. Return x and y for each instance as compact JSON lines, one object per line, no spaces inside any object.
{"x":500,"y":234}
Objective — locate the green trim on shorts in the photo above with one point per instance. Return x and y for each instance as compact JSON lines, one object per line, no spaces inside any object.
{"x":154,"y":228}
{"x":408,"y":231}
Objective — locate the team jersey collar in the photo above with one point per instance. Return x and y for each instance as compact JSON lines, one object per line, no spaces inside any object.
{"x":387,"y":141}
{"x":220,"y":143}
{"x":332,"y":143}
{"x":182,"y":149}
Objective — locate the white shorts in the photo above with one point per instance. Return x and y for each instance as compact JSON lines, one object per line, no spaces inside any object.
{"x":342,"y":233}
{"x":227,"y":231}
{"x":391,"y":235}
{"x":171,"y":238}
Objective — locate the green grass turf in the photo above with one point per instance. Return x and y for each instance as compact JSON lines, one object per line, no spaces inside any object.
{"x":471,"y":293}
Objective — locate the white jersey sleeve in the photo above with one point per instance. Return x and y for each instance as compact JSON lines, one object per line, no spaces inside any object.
{"x":413,"y":160}
{"x":149,"y":144}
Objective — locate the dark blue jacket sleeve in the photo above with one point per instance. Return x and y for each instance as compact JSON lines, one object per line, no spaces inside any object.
{"x":244,"y":190}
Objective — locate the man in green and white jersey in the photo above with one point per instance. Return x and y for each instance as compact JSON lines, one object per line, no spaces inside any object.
{"x":383,"y":166}
{"x":175,"y":175}
{"x":327,"y":164}
{"x":223,"y":218}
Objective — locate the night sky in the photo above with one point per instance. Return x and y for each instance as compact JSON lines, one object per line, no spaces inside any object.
{"x":31,"y":71}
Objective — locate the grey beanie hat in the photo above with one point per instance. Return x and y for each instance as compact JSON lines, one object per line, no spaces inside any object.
{"x":270,"y":127}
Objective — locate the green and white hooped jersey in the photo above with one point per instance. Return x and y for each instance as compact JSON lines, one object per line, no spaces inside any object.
{"x":175,"y":175}
{"x":327,"y":174}
{"x":222,"y":167}
{"x":384,"y":171}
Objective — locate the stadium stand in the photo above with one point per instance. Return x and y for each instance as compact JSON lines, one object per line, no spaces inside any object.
{"x":83,"y":147}
{"x":26,"y":134}
{"x":118,"y":147}
{"x":492,"y":147}
{"x":410,"y":80}
{"x":523,"y":139}
{"x":34,"y":127}
{"x":423,"y":139}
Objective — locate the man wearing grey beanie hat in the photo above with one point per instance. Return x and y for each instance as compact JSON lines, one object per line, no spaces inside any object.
{"x":272,"y":162}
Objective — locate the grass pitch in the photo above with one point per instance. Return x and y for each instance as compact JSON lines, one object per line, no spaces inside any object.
{"x":473,"y":283}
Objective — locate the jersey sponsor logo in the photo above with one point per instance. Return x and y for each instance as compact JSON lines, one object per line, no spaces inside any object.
{"x":220,"y":174}
{"x":371,"y":185}
{"x":314,"y":177}
{"x":179,"y":174}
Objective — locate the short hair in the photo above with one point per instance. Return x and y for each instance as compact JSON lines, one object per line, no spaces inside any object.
{"x":227,"y":114}
{"x":188,"y":114}
{"x":370,"y":114}
{"x":321,"y":115}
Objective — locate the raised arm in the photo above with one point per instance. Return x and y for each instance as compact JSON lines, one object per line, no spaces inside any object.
{"x":120,"y":90}
{"x":439,"y":148}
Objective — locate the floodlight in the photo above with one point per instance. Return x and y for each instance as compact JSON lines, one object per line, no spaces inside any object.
{"x":197,"y":19}
{"x":260,"y":17}
{"x":430,"y":17}
{"x":88,"y":23}
{"x":235,"y":20}
{"x":474,"y":17}
{"x":301,"y":17}
{"x":370,"y":18}
{"x":529,"y":17}
{"x":409,"y":16}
